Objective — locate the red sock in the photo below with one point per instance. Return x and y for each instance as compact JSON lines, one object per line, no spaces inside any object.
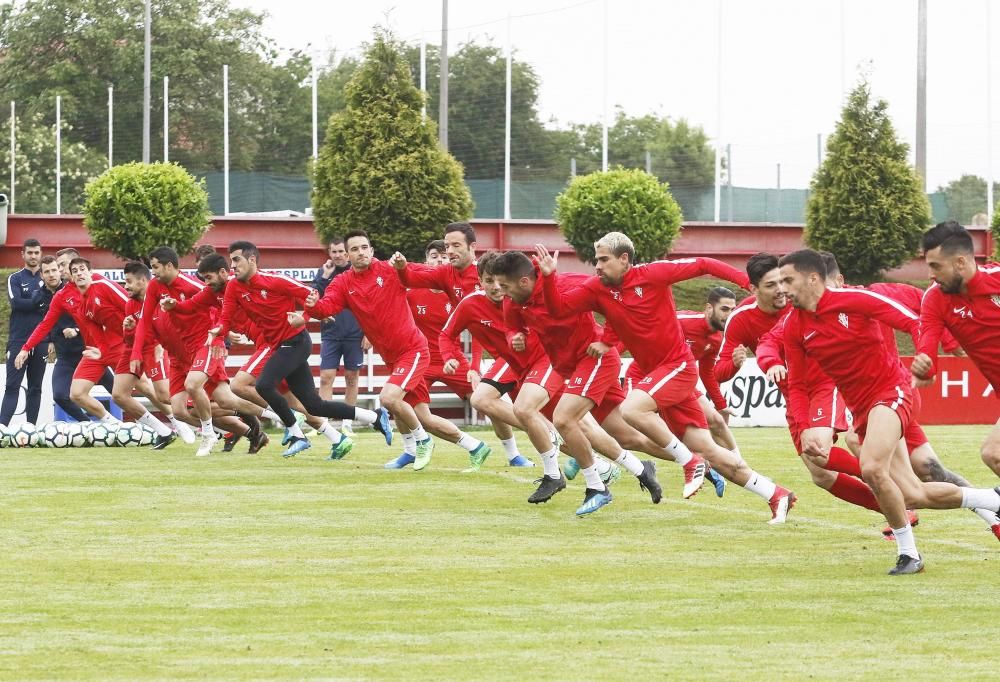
{"x":855,"y":491}
{"x":843,"y":461}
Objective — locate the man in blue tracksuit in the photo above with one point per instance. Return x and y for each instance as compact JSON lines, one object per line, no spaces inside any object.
{"x":25,"y":314}
{"x":340,"y":337}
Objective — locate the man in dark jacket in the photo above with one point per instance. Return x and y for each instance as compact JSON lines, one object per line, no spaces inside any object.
{"x":25,"y":315}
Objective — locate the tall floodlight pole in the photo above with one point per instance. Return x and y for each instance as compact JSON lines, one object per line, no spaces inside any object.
{"x":423,"y":75}
{"x":989,"y":114}
{"x":443,"y":86}
{"x":147,"y":43}
{"x":12,"y":158}
{"x":843,"y":49}
{"x":166,"y":119}
{"x":604,"y":102}
{"x":225,"y":139}
{"x":506,"y":138}
{"x":718,"y":112}
{"x":58,"y":154}
{"x":315,"y":111}
{"x":921,"y":137}
{"x":111,"y":126}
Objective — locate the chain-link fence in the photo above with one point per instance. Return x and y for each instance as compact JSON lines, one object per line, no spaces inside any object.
{"x":253,"y":133}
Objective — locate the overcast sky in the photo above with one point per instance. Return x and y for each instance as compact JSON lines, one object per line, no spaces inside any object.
{"x":784,"y":64}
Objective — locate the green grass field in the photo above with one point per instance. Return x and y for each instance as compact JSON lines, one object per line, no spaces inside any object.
{"x":127,"y":564}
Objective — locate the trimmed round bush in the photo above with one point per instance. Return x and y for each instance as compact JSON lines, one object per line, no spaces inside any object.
{"x":133,"y":208}
{"x":629,"y":201}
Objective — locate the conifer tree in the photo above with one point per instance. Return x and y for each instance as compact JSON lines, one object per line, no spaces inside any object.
{"x":866,"y":205}
{"x":381,"y":168}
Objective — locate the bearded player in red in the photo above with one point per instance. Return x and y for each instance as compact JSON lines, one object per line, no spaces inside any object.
{"x":875,"y":386}
{"x":965,"y":300}
{"x":637,"y":302}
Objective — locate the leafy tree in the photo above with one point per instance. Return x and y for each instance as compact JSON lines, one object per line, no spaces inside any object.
{"x":133,"y":208}
{"x":966,"y":197}
{"x":619,"y":200}
{"x":866,"y":203}
{"x":680,"y":153}
{"x":476,"y":111}
{"x":381,"y":167}
{"x":35,"y":167}
{"x":77,"y":48}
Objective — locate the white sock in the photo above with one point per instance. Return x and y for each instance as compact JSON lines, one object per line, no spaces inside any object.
{"x":206,"y":428}
{"x":269,"y":414}
{"x":333,"y":434}
{"x":152,"y":422}
{"x":419,"y":433}
{"x":174,"y":420}
{"x":467,"y":442}
{"x":550,"y":463}
{"x":679,"y":451}
{"x":981,"y":498}
{"x":986,"y":515}
{"x":510,"y":447}
{"x":108,"y":418}
{"x":603,"y":465}
{"x":905,"y":542}
{"x":409,"y":444}
{"x":761,"y":485}
{"x":366,"y":417}
{"x":630,"y":462}
{"x":295,"y":431}
{"x":346,"y":423}
{"x":593,"y":478}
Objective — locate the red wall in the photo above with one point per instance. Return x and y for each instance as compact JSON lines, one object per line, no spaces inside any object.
{"x":291,"y":242}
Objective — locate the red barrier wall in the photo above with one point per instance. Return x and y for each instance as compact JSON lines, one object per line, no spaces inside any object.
{"x":960,"y":395}
{"x":291,"y":242}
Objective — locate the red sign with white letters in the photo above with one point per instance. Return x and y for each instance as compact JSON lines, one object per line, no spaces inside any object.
{"x":960,"y":394}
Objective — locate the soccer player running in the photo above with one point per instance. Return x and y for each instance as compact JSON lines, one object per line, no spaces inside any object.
{"x":372,"y":291}
{"x":703,"y":334}
{"x":155,"y":364}
{"x":214,"y":271}
{"x":964,"y":300}
{"x":97,"y":306}
{"x":526,"y":374}
{"x":637,"y":302}
{"x":195,"y":370}
{"x":430,"y":309}
{"x":271,"y":301}
{"x":874,"y":384}
{"x":587,"y":414}
{"x":66,"y":338}
{"x":923,"y":459}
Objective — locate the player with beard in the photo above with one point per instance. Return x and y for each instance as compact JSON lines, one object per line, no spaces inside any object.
{"x":215,"y":272}
{"x":703,"y":334}
{"x":155,"y":363}
{"x":923,"y":458}
{"x":638,"y":304}
{"x":430,"y":309}
{"x":371,"y":290}
{"x":587,"y":414}
{"x":875,"y":386}
{"x":964,"y":300}
{"x":270,"y":301}
{"x":526,"y":374}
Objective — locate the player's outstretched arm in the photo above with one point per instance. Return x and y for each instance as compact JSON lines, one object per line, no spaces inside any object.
{"x":672,"y":271}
